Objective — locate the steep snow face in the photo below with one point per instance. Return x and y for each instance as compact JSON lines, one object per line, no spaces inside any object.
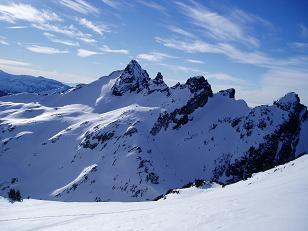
{"x":89,"y":144}
{"x":258,"y":203}
{"x":12,"y":84}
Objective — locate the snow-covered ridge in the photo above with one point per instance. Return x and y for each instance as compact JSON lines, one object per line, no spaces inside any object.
{"x":258,"y":203}
{"x":12,"y":84}
{"x":142,"y":136}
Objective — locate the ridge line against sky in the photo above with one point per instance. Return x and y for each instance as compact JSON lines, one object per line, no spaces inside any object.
{"x":261,"y":52}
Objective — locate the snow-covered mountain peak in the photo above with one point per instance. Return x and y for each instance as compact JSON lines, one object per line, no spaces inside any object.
{"x":101,"y":146}
{"x":133,"y":79}
{"x":290,"y":101}
{"x":198,"y":83}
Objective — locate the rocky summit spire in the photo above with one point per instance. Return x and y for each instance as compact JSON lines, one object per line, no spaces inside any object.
{"x":198,"y":83}
{"x":133,"y":79}
{"x":289,"y":102}
{"x":158,"y":84}
{"x":228,"y":92}
{"x":158,"y":79}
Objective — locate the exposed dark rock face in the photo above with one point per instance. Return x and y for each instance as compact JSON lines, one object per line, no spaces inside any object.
{"x":201,"y":89}
{"x":133,"y":79}
{"x":198,"y":83}
{"x":158,"y":84}
{"x":93,"y":138}
{"x":198,"y":183}
{"x":229,"y":93}
{"x":278,"y":147}
{"x":158,"y":79}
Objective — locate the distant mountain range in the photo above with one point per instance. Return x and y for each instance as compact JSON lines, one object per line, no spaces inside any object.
{"x":12,"y":84}
{"x":129,"y":137}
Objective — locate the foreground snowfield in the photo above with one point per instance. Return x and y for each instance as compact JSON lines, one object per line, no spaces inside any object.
{"x":272,"y":200}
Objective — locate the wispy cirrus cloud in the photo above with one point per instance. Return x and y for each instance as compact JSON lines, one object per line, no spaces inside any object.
{"x":100,"y":29}
{"x":285,"y":80}
{"x":45,"y":50}
{"x":154,"y":56}
{"x":70,"y":31}
{"x":17,"y":27}
{"x":80,"y":6}
{"x":153,"y":5}
{"x":18,"y":11}
{"x":181,"y":31}
{"x":219,"y":27}
{"x":86,"y":53}
{"x":54,"y":39}
{"x":107,"y":49}
{"x":224,"y":77}
{"x":111,"y":3}
{"x":118,"y":4}
{"x":11,"y":62}
{"x":247,"y":57}
{"x":181,"y":68}
{"x":3,"y":40}
{"x":45,"y":20}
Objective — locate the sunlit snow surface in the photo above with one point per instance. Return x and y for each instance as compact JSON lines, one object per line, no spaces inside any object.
{"x":89,"y":144}
{"x":272,"y":200}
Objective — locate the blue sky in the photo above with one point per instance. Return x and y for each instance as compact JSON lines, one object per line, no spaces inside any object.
{"x":258,"y":47}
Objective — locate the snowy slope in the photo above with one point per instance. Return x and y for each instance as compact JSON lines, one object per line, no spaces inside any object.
{"x":12,"y":84}
{"x":272,"y":200}
{"x":127,"y":137}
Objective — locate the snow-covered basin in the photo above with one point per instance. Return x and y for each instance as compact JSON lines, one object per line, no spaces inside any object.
{"x":273,"y":200}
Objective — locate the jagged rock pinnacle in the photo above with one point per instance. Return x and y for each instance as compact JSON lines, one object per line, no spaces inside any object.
{"x":228,"y":92}
{"x":158,"y":79}
{"x":198,"y":83}
{"x":133,"y":78}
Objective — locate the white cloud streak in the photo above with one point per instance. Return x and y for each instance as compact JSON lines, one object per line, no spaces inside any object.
{"x":181,"y":31}
{"x":80,"y":6}
{"x":236,"y":55}
{"x":44,"y":19}
{"x":70,"y":31}
{"x":53,"y":38}
{"x":19,"y":11}
{"x":194,"y":61}
{"x":17,"y":27}
{"x":275,"y":83}
{"x":153,"y":5}
{"x":86,"y":53}
{"x":154,"y":56}
{"x":3,"y":40}
{"x":45,"y":50}
{"x":13,"y":62}
{"x":217,"y":26}
{"x":100,"y":29}
{"x":107,"y":49}
{"x":111,"y":3}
